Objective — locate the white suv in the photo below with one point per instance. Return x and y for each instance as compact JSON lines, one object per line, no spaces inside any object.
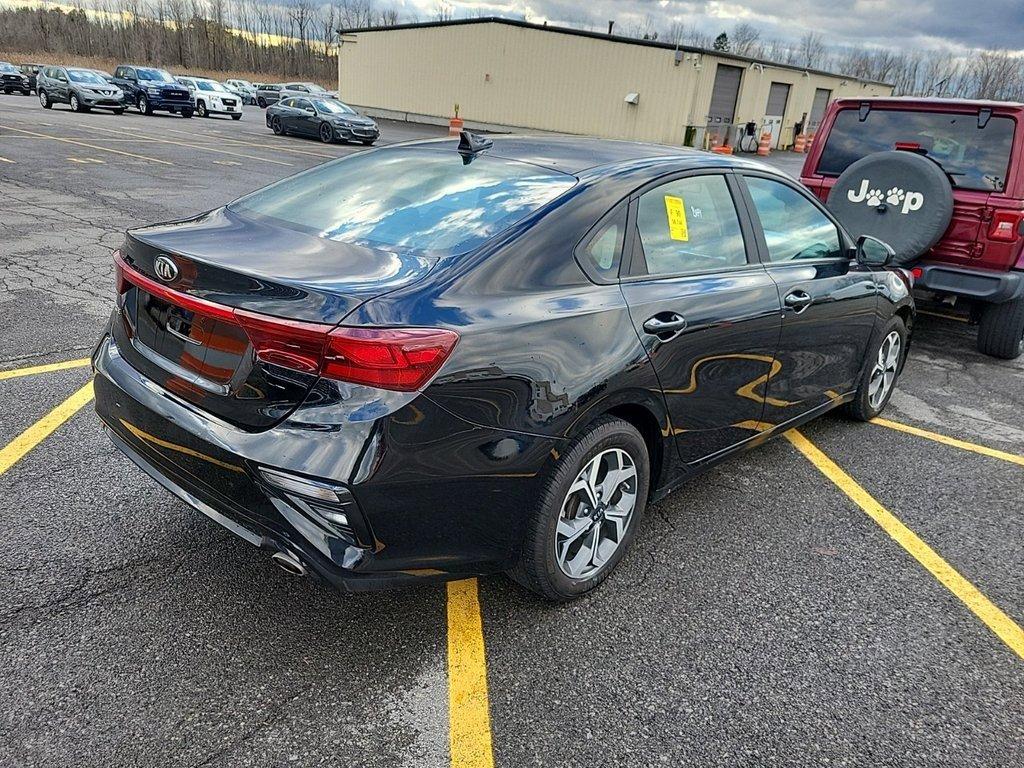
{"x":243,"y":88}
{"x":212,"y":98}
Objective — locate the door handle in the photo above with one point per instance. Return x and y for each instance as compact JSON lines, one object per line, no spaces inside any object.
{"x":799,"y":301}
{"x":665,"y":323}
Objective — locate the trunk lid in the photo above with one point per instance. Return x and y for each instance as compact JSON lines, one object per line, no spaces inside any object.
{"x":177,"y":320}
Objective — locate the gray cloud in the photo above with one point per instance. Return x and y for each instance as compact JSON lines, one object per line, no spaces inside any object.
{"x":899,"y":24}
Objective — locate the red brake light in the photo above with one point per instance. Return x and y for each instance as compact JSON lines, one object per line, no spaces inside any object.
{"x":1005,"y":226}
{"x":403,"y":359}
{"x":907,"y":146}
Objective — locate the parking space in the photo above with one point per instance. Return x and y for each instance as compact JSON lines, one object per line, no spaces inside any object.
{"x":764,"y":616}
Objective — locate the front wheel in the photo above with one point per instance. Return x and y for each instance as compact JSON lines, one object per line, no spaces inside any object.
{"x":201,"y":109}
{"x":186,"y":113}
{"x":588,"y":512}
{"x":1001,"y":330}
{"x":118,"y":111}
{"x":885,"y":361}
{"x":368,"y":142}
{"x":76,"y":105}
{"x":326,"y":133}
{"x":44,"y":100}
{"x":144,"y":107}
{"x":236,"y":117}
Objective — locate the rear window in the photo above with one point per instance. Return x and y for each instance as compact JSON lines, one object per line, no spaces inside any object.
{"x":973,"y":157}
{"x":421,"y":199}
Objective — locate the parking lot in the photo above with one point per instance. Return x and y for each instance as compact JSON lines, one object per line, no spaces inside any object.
{"x":851,"y":595}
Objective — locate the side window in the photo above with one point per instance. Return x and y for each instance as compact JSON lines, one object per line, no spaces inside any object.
{"x":287,"y":102}
{"x":794,"y":228}
{"x":119,"y":72}
{"x":602,"y":252}
{"x":301,"y":104}
{"x":690,"y":225}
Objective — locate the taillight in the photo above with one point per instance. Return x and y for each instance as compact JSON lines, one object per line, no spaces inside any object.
{"x":1005,"y":226}
{"x":403,"y":359}
{"x":390,"y":358}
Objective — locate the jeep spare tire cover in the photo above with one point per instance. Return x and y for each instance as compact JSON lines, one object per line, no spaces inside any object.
{"x":902,"y":198}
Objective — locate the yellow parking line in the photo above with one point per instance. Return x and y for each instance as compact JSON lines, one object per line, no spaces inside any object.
{"x":31,"y":370}
{"x":31,"y":437}
{"x":245,"y":142}
{"x":1002,"y":625}
{"x":84,"y":144}
{"x":469,"y":715}
{"x":945,"y":440}
{"x":944,"y":315}
{"x":190,"y":145}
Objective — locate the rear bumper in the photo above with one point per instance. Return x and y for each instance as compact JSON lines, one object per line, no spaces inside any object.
{"x":982,"y":284}
{"x":422,"y":509}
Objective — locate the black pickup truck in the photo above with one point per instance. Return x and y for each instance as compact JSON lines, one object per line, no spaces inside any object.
{"x":153,"y":90}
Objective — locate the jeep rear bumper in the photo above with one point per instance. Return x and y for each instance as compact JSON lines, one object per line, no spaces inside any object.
{"x":982,"y":284}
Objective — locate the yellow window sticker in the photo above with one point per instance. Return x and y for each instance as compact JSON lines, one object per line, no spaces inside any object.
{"x":676,"y":213}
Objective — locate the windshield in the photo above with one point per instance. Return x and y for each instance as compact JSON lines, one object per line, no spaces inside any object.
{"x":85,"y":76}
{"x":333,"y":107}
{"x":154,"y":75}
{"x":5,"y":67}
{"x":416,"y":198}
{"x":973,"y":157}
{"x":211,"y":85}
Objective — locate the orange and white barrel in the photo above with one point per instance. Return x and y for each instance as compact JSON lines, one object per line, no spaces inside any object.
{"x":764,"y":146}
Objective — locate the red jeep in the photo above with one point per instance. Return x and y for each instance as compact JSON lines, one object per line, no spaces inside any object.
{"x":942,"y":181}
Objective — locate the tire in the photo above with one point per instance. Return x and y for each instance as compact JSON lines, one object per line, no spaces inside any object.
{"x":201,"y":109}
{"x":236,"y":117}
{"x":75,"y":104}
{"x":1001,"y":330}
{"x":118,"y":111}
{"x":326,"y":133}
{"x":261,"y":103}
{"x":902,"y":198}
{"x":44,"y":99}
{"x":276,"y":127}
{"x":369,"y":142}
{"x":539,"y":568}
{"x":144,"y":106}
{"x":186,"y":113}
{"x":866,"y":404}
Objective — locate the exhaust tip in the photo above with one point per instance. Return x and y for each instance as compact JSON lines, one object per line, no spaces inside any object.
{"x":288,"y":563}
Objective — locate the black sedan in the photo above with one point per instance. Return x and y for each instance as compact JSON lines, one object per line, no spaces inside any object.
{"x":327,"y":119}
{"x":460,"y":357}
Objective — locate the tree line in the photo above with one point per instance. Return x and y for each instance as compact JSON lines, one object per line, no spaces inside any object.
{"x":297,"y":40}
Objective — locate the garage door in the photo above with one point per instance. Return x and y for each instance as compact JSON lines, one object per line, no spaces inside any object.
{"x":822,"y":96}
{"x":778,"y":95}
{"x":724,"y":94}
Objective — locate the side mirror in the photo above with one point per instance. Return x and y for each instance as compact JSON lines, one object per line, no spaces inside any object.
{"x":872,"y":252}
{"x":310,"y":111}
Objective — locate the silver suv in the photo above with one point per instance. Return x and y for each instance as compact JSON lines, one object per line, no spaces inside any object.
{"x":83,"y":89}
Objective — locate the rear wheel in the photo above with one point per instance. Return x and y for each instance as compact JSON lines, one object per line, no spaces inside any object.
{"x":45,"y":100}
{"x":588,"y":512}
{"x":276,"y":126}
{"x":878,"y":381}
{"x":1001,"y":330}
{"x":261,"y":103}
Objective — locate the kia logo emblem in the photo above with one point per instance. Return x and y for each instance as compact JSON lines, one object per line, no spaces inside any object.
{"x":165,"y":269}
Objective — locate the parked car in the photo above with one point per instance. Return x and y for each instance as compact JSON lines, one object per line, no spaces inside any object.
{"x":943,"y":181}
{"x":327,"y":119}
{"x":80,"y":88}
{"x":243,"y":88}
{"x":267,"y":94}
{"x":105,"y":75}
{"x":212,"y":98}
{"x":463,"y":356}
{"x":12,"y":80}
{"x":307,"y":89}
{"x":153,"y":90}
{"x":31,"y":71}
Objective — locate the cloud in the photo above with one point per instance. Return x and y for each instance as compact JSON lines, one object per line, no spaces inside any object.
{"x":897,"y":24}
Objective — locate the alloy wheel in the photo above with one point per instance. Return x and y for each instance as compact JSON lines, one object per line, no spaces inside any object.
{"x":596,"y":513}
{"x":884,"y":372}
{"x":75,"y":106}
{"x":326,"y":133}
{"x":42,"y":98}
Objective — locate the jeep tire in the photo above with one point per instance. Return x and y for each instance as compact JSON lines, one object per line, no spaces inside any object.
{"x":1001,"y":329}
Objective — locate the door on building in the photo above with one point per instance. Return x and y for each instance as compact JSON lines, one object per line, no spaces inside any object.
{"x":724,"y":94}
{"x":822,"y":96}
{"x":775,"y":111}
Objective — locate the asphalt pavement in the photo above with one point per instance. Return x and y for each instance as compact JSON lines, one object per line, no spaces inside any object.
{"x":763,"y":617}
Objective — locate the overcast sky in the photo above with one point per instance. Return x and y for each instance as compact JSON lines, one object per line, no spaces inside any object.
{"x":957,"y":24}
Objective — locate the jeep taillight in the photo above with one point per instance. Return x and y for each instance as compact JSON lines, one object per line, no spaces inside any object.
{"x":1006,"y":226}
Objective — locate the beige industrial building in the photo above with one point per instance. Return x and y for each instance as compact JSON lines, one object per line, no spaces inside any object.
{"x":512,"y":75}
